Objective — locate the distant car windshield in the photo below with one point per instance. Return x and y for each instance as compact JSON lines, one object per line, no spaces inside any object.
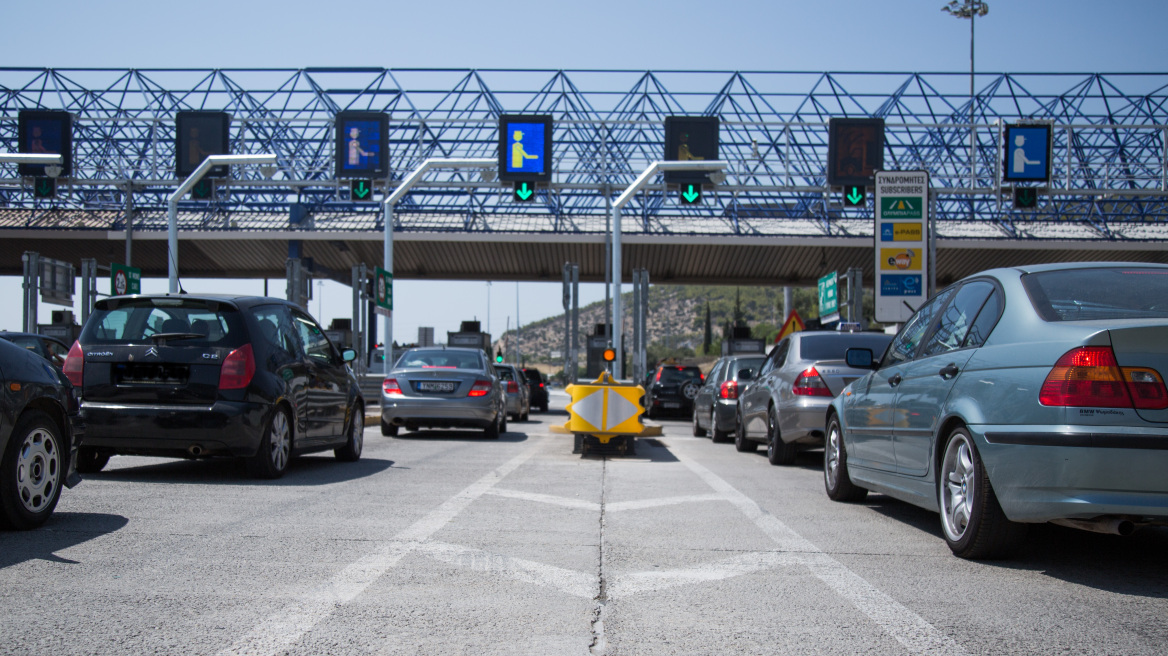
{"x":194,"y":322}
{"x":832,"y":346}
{"x":678,"y":374}
{"x":505,"y":373}
{"x":1099,"y":293}
{"x":440,"y":359}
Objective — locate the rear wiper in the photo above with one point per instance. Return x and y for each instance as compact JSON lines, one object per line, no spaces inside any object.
{"x":164,"y":336}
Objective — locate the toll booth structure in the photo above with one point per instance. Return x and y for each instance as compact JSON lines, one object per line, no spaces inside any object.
{"x":470,"y":335}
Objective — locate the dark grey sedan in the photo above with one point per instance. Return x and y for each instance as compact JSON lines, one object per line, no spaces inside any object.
{"x":786,"y":405}
{"x":716,"y":404}
{"x":441,"y":387}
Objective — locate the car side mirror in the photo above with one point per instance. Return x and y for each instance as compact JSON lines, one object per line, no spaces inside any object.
{"x":745,"y":374}
{"x":348,"y":355}
{"x":860,"y":358}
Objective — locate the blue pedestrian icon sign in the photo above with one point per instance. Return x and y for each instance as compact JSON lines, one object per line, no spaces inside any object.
{"x":1027,"y":153}
{"x":525,"y":145}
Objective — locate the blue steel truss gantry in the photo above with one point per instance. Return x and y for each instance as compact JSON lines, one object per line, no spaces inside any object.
{"x":1109,"y":153}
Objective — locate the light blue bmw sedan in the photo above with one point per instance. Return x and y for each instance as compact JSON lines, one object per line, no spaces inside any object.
{"x":1016,"y":396}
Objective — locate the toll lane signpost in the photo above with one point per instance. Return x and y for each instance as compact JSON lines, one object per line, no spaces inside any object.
{"x":902,"y":238}
{"x":383,"y":292}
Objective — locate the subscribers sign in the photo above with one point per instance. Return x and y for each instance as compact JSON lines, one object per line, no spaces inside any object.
{"x":902,"y":237}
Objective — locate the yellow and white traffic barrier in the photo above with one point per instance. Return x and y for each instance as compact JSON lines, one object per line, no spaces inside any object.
{"x":606,"y":410}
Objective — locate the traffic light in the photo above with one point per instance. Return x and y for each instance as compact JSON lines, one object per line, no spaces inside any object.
{"x":362,"y":145}
{"x":1025,"y":198}
{"x":198,"y":134}
{"x":609,"y":354}
{"x":690,"y":138}
{"x":691,"y":194}
{"x":855,"y":150}
{"x":361,"y":190}
{"x":498,"y":355}
{"x":855,"y":196}
{"x":523,"y":192}
{"x":44,"y":188}
{"x":203,"y":189}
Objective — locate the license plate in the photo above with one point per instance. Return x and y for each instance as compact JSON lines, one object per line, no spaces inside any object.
{"x":670,"y":404}
{"x":435,"y":387}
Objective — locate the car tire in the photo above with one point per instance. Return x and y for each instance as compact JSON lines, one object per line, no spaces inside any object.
{"x":351,"y":452}
{"x":698,"y":431}
{"x":491,"y":432}
{"x":32,"y":471}
{"x":90,"y":460}
{"x":387,"y":429}
{"x":741,"y":443}
{"x":971,"y":517}
{"x":719,"y":435}
{"x":836,"y":481}
{"x":543,"y":407}
{"x":271,"y":459}
{"x":778,"y":451}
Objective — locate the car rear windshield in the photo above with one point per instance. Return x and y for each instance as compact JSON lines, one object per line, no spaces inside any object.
{"x":832,"y":346}
{"x":1099,"y":293}
{"x":505,"y":373}
{"x":440,"y":359}
{"x":678,"y":374}
{"x":178,"y":321}
{"x":533,"y":376}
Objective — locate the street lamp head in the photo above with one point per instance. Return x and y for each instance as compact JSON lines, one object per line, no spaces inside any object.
{"x":966,"y":8}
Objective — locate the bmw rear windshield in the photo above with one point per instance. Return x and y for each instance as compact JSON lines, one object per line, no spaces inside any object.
{"x":1099,"y":293}
{"x":175,"y":321}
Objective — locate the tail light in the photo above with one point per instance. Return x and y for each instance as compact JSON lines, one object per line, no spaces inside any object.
{"x":74,"y":365}
{"x":1090,"y":376}
{"x":809,"y":383}
{"x":728,"y":390}
{"x":390,"y":387}
{"x":238,"y":368}
{"x":512,"y":387}
{"x":480,"y":388}
{"x":541,"y":384}
{"x":657,"y":379}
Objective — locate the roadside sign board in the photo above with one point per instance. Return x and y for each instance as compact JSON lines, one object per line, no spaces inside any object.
{"x":383,"y":291}
{"x":901,"y":243}
{"x":828,"y":297}
{"x":125,"y":279}
{"x":793,"y":324}
{"x":1027,"y":153}
{"x":525,"y":148}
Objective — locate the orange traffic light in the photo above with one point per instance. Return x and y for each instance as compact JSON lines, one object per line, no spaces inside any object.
{"x":609,"y":354}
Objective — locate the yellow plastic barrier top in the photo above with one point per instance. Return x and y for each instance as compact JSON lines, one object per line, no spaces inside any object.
{"x":605,"y":408}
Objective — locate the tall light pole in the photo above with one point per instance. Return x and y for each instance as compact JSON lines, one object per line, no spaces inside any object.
{"x":970,"y":9}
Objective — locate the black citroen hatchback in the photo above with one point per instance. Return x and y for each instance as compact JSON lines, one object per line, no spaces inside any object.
{"x":202,"y":376}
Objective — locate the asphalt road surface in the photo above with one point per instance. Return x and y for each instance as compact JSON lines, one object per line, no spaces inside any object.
{"x":441,"y":542}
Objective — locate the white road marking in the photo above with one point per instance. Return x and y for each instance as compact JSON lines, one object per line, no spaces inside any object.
{"x":545,"y":498}
{"x":568,"y":581}
{"x":908,"y":628}
{"x":630,"y":584}
{"x":666,"y":501}
{"x":595,"y":507}
{"x":283,"y":628}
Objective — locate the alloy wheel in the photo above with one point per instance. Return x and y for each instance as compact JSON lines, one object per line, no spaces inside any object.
{"x":831,"y":457}
{"x":958,"y":477}
{"x":280,"y":440}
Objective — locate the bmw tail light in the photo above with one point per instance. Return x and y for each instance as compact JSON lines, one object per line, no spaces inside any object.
{"x":390,"y":387}
{"x":512,"y":387}
{"x":810,"y":383}
{"x":1087,"y":376}
{"x":74,"y":365}
{"x":1146,"y":387}
{"x":480,"y":388}
{"x":728,"y":390}
{"x":238,"y":368}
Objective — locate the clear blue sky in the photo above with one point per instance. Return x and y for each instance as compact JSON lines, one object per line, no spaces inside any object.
{"x":837,"y":35}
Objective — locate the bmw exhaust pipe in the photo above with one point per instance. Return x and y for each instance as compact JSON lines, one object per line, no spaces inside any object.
{"x":1108,"y":525}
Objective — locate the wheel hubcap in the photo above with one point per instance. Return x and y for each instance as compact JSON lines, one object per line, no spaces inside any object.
{"x":958,"y":488}
{"x":770,"y":433}
{"x":38,"y":469}
{"x":281,"y":440}
{"x":831,"y":459}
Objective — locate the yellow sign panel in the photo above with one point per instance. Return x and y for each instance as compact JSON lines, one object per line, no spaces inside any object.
{"x":901,"y":232}
{"x":600,"y":409}
{"x":900,"y":259}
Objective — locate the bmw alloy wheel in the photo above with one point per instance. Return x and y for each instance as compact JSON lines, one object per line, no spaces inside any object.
{"x":958,"y":480}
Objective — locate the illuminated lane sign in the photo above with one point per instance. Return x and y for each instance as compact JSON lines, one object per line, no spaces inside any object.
{"x":855,"y":196}
{"x":45,"y":132}
{"x":362,"y":145}
{"x":902,"y":226}
{"x":1027,"y":153}
{"x":198,"y":134}
{"x":525,"y":148}
{"x":855,"y":150}
{"x":690,"y":139}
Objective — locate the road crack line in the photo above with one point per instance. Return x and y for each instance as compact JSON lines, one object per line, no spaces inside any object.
{"x":599,"y":644}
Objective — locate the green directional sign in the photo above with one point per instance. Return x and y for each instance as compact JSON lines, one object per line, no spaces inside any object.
{"x":828,"y":298}
{"x":202,"y":189}
{"x":383,"y":291}
{"x":524,"y":192}
{"x":125,"y":279}
{"x":691,"y":194}
{"x":44,"y":188}
{"x":361,"y":189}
{"x":855,"y":196}
{"x":902,"y":207}
{"x":1025,"y":198}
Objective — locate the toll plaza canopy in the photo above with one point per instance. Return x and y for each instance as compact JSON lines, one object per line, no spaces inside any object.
{"x":342,"y":137}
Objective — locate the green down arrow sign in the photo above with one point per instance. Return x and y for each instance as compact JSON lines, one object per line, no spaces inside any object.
{"x":855,"y":195}
{"x":362,"y":189}
{"x":692,"y":195}
{"x":523,"y":191}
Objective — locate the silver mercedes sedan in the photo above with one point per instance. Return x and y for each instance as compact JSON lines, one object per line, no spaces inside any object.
{"x":443,"y":387}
